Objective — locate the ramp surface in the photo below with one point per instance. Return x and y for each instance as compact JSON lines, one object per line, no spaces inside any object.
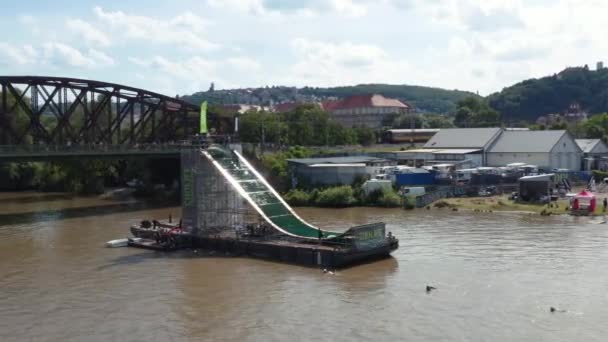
{"x":265,"y":200}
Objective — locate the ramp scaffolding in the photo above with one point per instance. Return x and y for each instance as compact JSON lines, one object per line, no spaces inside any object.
{"x":251,"y":186}
{"x":211,"y":205}
{"x":228,"y":206}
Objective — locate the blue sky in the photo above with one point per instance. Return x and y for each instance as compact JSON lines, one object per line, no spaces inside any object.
{"x":179,"y":47}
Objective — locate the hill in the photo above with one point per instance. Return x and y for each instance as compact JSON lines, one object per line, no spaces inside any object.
{"x":424,"y":99}
{"x":532,"y":98}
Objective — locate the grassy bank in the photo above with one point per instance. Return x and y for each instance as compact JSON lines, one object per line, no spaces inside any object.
{"x":499,"y":203}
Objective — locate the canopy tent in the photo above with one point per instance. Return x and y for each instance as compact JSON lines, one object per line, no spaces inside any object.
{"x":584,"y":201}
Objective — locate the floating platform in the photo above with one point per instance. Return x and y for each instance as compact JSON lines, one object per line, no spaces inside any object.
{"x":303,"y":253}
{"x":357,"y":245}
{"x":150,"y":244}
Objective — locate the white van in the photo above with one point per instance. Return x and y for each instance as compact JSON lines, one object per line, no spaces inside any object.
{"x":413,"y":191}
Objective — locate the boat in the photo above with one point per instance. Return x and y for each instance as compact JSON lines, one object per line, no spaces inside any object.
{"x":117,"y":243}
{"x":150,"y":229}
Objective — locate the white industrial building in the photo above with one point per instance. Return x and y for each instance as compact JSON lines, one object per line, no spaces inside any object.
{"x":461,"y":158}
{"x":546,"y":149}
{"x":335,"y":170}
{"x":595,"y":154}
{"x":461,"y":147}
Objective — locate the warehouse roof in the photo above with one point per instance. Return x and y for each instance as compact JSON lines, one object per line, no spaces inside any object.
{"x":338,"y":160}
{"x":587,"y":145}
{"x":527,"y":141}
{"x":463,"y":138}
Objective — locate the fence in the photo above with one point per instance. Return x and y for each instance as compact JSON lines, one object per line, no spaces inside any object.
{"x":447,"y":192}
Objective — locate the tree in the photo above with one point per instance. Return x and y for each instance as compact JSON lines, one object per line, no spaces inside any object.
{"x":431,"y":120}
{"x":596,"y":127}
{"x":365,"y":135}
{"x":475,"y":112}
{"x":532,"y":98}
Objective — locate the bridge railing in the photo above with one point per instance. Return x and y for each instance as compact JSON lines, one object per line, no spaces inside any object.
{"x":25,"y":150}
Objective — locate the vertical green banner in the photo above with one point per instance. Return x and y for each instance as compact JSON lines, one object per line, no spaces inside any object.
{"x":203,"y":125}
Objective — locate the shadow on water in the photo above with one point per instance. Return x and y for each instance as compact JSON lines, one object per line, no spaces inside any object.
{"x":381,"y":265}
{"x":69,"y":213}
{"x":148,"y":255}
{"x":35,"y":198}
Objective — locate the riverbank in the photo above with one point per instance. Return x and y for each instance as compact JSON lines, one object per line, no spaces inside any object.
{"x":500,"y":203}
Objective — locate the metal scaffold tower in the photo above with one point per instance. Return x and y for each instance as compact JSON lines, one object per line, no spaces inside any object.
{"x":211,"y":206}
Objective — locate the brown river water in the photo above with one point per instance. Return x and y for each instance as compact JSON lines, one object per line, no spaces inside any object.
{"x":496,"y":276}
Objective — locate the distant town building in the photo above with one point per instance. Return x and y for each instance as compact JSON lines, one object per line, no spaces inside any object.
{"x":286,"y":107}
{"x":369,"y":110}
{"x":574,"y":114}
{"x":241,"y":108}
{"x":600,"y":65}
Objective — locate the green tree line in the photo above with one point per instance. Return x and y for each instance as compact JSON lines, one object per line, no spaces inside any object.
{"x":307,"y":125}
{"x":532,"y":98}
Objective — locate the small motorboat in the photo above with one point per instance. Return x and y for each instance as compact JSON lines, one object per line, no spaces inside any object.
{"x":122,"y":242}
{"x":117,"y":243}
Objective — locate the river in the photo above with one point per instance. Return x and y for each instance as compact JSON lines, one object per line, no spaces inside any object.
{"x":496,"y":276}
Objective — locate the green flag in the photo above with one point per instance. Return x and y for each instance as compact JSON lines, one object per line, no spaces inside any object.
{"x":203,"y":126}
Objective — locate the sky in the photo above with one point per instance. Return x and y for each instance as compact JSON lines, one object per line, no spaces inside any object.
{"x":180,"y":47}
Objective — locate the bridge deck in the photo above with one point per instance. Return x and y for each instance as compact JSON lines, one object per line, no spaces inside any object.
{"x":53,"y":152}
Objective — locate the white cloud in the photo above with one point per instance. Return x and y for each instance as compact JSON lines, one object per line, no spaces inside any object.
{"x":339,"y":63}
{"x":20,"y":55}
{"x":474,"y":44}
{"x":186,"y":30}
{"x":350,"y":8}
{"x":244,"y":64}
{"x":88,"y":32}
{"x":52,"y":54}
{"x":175,"y":77}
{"x":62,"y":54}
{"x":27,"y":19}
{"x":248,"y":6}
{"x":101,"y":58}
{"x":193,"y":74}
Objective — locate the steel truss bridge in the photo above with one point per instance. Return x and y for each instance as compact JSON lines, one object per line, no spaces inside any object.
{"x":69,"y":116}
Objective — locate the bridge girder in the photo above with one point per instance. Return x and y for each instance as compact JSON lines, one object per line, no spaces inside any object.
{"x":59,"y":111}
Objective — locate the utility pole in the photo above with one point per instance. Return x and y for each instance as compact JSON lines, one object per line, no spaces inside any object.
{"x":412,"y":128}
{"x":263,"y":137}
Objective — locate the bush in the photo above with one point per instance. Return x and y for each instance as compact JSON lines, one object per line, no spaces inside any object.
{"x":314,"y":196}
{"x":389,"y":198}
{"x":297,"y":197}
{"x":341,"y":196}
{"x":599,"y":175}
{"x":382,"y":198}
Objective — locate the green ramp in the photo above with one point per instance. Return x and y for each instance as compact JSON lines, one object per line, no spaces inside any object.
{"x":265,"y":200}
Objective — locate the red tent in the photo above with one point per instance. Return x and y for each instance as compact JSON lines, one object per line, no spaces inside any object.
{"x":585,"y":199}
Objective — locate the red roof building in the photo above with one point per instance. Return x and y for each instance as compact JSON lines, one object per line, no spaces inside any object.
{"x":369,"y":110}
